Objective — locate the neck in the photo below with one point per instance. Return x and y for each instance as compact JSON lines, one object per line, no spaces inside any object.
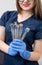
{"x":26,"y":13}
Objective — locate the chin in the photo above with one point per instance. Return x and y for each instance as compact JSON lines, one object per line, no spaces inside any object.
{"x":26,"y":8}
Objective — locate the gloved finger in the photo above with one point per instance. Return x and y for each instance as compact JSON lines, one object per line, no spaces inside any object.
{"x":12,"y":52}
{"x":19,"y":50}
{"x":17,"y":40}
{"x":15,"y":46}
{"x":18,"y":43}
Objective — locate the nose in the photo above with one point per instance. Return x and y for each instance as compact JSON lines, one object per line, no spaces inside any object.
{"x":25,"y":0}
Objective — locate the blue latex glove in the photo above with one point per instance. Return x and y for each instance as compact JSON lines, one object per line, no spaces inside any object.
{"x":20,"y":47}
{"x":11,"y":50}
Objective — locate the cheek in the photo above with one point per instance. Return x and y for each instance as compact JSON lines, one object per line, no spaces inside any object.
{"x":32,"y":5}
{"x":20,"y":4}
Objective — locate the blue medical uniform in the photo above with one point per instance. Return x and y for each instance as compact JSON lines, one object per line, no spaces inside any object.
{"x":35,"y":33}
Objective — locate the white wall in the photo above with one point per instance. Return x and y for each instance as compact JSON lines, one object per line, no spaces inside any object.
{"x":7,"y":5}
{"x":10,"y":5}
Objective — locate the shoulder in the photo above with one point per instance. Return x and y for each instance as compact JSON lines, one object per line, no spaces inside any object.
{"x":38,"y":29}
{"x":39,"y":24}
{"x":37,"y":21}
{"x":6,"y":15}
{"x":9,"y":13}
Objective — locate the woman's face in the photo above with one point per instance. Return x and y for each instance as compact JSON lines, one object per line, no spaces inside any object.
{"x":26,"y":4}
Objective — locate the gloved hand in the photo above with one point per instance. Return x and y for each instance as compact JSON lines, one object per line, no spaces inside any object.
{"x":11,"y":50}
{"x":20,"y":47}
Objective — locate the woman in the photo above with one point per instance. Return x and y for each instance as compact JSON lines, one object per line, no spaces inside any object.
{"x":18,"y":52}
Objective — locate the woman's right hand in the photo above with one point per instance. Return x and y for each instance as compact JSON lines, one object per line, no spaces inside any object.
{"x":11,"y":50}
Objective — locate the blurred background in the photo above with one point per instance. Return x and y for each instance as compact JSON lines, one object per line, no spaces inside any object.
{"x":6,"y":5}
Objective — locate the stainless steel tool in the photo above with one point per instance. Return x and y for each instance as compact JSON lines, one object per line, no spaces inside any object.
{"x":12,"y":31}
{"x":20,"y":30}
{"x":17,"y":29}
{"x":26,"y":31}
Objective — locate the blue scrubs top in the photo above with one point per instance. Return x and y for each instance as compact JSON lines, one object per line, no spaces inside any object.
{"x":35,"y":33}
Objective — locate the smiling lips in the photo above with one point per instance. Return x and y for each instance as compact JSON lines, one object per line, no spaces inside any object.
{"x":26,"y":4}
